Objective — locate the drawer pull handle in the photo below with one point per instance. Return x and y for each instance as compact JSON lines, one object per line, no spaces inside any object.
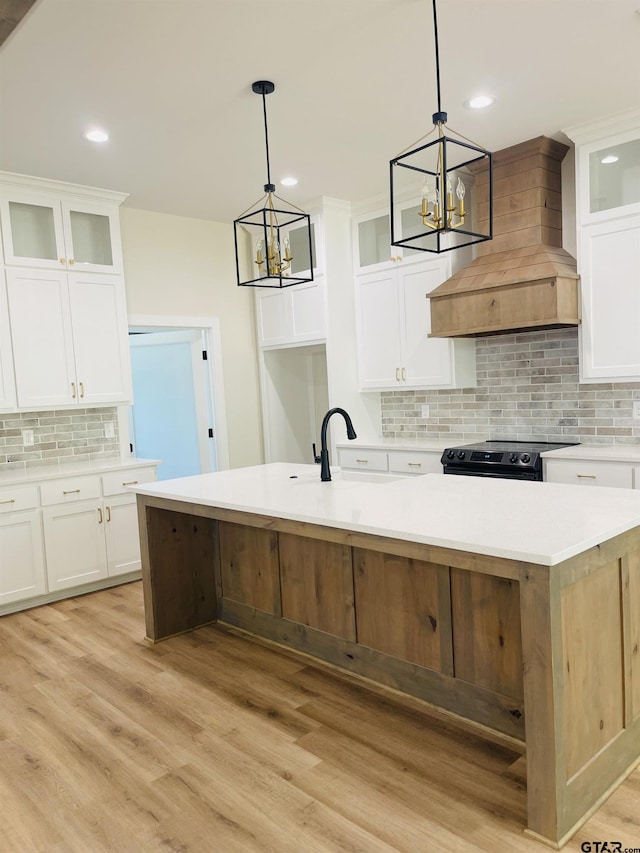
{"x":414,"y":464}
{"x":586,"y":476}
{"x":81,"y":384}
{"x":362,"y":461}
{"x":131,"y":483}
{"x":99,"y":515}
{"x":71,"y":492}
{"x":404,"y":375}
{"x":397,"y":374}
{"x":10,"y":501}
{"x":108,"y":513}
{"x":73,"y":390}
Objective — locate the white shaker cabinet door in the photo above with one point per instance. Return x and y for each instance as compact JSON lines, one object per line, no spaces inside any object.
{"x":42,"y":338}
{"x":8,"y":400}
{"x":121,"y":530}
{"x":610,"y":285}
{"x":22,"y":572}
{"x":98,"y":318}
{"x":75,"y":544}
{"x":428,"y":361}
{"x":379,"y":348}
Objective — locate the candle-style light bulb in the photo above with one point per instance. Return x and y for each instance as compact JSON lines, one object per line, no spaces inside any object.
{"x":449,"y":194}
{"x":287,"y":251}
{"x":424,"y":209}
{"x":460,"y":191}
{"x":259,"y":258}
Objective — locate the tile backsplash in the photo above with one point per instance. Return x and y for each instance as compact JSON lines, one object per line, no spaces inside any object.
{"x":59,"y":436}
{"x":528,"y":388}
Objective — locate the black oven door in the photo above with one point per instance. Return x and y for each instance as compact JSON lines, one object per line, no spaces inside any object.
{"x":499,"y":473}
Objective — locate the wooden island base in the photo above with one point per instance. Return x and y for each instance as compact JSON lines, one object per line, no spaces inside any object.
{"x":547,"y":655}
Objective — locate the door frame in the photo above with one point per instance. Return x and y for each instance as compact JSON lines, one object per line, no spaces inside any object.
{"x":214,"y":372}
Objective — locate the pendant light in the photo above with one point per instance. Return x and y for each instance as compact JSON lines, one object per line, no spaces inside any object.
{"x":436,"y":171}
{"x":269,"y":232}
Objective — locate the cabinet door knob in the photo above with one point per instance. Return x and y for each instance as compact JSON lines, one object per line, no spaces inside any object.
{"x":71,"y":261}
{"x":73,"y":390}
{"x":99,"y":515}
{"x":63,"y":260}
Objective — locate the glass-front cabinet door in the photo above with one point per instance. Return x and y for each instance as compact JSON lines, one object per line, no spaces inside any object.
{"x":50,"y":233}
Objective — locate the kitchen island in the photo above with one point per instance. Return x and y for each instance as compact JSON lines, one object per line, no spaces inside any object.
{"x":512,"y":604}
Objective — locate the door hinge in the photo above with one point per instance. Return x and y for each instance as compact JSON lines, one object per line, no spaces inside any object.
{"x":204,"y":355}
{"x":210,"y":431}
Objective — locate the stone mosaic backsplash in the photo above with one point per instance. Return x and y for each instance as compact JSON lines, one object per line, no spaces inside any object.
{"x":59,"y":436}
{"x":528,"y":388}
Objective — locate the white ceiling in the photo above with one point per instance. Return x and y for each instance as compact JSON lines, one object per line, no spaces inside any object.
{"x":355,"y":84}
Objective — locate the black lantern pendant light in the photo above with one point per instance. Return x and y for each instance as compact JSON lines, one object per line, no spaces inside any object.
{"x":436,"y":170}
{"x":268,"y":233}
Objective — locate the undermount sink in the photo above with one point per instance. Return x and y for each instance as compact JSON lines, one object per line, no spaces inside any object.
{"x":356,"y":477}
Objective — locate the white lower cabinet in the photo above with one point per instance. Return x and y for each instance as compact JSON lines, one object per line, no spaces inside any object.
{"x":415,"y":461}
{"x":62,"y":533}
{"x":363,"y":460}
{"x":91,"y":527}
{"x":75,"y":544}
{"x":404,"y":462}
{"x":393,"y":325}
{"x":622,"y":475}
{"x":22,"y":567}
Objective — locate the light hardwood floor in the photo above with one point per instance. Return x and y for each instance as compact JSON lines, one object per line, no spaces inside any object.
{"x":215,"y":743}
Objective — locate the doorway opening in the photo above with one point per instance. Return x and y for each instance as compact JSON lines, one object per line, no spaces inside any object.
{"x":178,"y":395}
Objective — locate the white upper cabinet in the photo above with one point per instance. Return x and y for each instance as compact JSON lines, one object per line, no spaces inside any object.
{"x":54,"y":226}
{"x":608,"y":240}
{"x":372,"y":249}
{"x":294,"y":315}
{"x":7,"y":382}
{"x":394,"y":348}
{"x":69,"y":333}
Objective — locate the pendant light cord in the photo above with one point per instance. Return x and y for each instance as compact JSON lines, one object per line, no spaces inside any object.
{"x":435,"y":33}
{"x":266,"y":136}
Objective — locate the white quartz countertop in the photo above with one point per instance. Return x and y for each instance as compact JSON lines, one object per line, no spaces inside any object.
{"x":543,"y":523}
{"x":597,"y":453}
{"x":16,"y":476}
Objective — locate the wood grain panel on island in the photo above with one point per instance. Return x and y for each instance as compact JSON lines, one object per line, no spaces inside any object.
{"x":547,"y":655}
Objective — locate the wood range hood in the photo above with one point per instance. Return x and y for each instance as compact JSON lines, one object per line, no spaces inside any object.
{"x":522,"y":279}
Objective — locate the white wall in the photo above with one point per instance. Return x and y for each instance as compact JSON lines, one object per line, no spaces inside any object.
{"x":176,"y":266}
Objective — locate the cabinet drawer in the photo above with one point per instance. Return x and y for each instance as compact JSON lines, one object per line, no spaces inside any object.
{"x":365,"y":460}
{"x":13,"y":498}
{"x":415,"y":462}
{"x":69,"y":490}
{"x":118,"y":482}
{"x":587,"y":473}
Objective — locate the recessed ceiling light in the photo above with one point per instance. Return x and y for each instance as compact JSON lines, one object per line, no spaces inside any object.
{"x":479,"y":102}
{"x":610,"y":158}
{"x":96,"y":135}
{"x":289,"y":182}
